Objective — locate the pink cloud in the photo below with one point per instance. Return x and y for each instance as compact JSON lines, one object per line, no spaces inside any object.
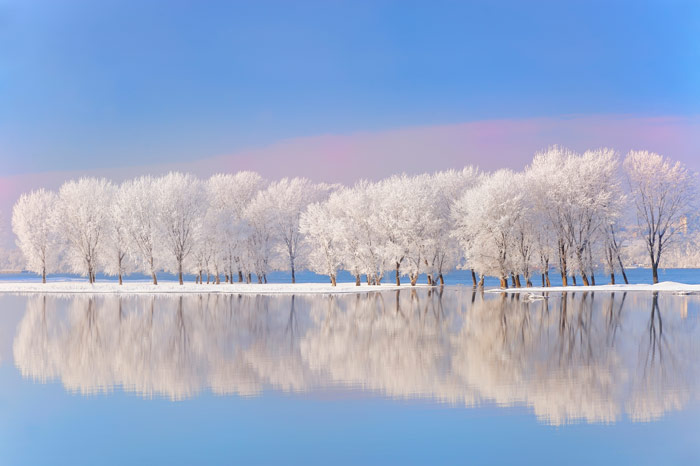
{"x":345,"y":158}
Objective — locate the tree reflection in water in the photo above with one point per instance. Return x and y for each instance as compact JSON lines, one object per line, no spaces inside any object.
{"x":568,"y":357}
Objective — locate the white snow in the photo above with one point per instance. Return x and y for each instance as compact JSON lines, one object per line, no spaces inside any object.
{"x":673,"y":287}
{"x":66,"y":287}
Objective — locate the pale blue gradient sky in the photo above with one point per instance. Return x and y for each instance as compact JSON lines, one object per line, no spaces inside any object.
{"x":87,"y":84}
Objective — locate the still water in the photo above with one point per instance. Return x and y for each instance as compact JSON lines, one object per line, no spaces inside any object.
{"x":393,"y":377}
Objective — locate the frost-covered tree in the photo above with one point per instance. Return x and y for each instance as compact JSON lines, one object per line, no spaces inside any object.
{"x":260,"y":218}
{"x":403,"y":217}
{"x":142,"y":224}
{"x":548,"y":171}
{"x":443,"y":252}
{"x":321,"y":224}
{"x":226,"y":227}
{"x":662,"y":192}
{"x":287,"y":199}
{"x":117,"y":241}
{"x":83,"y":214}
{"x":593,"y":196}
{"x":364,"y":239}
{"x":180,"y":200}
{"x":485,"y":218}
{"x":32,"y":224}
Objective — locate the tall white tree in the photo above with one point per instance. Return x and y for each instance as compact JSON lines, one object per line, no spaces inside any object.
{"x":662,"y":192}
{"x":259,"y":216}
{"x":32,"y":224}
{"x":287,"y":199}
{"x":117,"y":241}
{"x":142,"y":224}
{"x":443,"y":253}
{"x":485,"y":219}
{"x":321,"y":224}
{"x":180,"y":207}
{"x":82,"y":222}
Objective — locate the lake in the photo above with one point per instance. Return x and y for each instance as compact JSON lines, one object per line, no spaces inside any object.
{"x":415,"y":377}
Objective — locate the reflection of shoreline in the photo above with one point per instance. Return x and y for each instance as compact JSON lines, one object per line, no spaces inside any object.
{"x":573,"y":357}
{"x":69,"y":288}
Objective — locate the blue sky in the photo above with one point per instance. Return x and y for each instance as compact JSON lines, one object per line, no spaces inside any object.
{"x":87,"y":84}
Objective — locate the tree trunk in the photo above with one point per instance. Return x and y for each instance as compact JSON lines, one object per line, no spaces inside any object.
{"x":655,"y":272}
{"x":517,"y":280}
{"x":398,"y":280}
{"x":265,"y":278}
{"x":504,"y":283}
{"x":542,"y":280}
{"x":562,"y":265}
{"x":43,"y":275}
{"x":240,"y":276}
{"x":442,"y":280}
{"x":357,"y":280}
{"x":248,"y":278}
{"x":584,"y":277}
{"x":481,"y":281}
{"x":473,"y":278}
{"x":259,"y":278}
{"x":528,"y":283}
{"x":155,"y":279}
{"x":333,"y":283}
{"x":120,"y":278}
{"x":294,"y":278}
{"x":430,"y":280}
{"x":592,"y":278}
{"x":573,"y":279}
{"x":179,"y":272}
{"x":612,"y":278}
{"x":414,"y":279}
{"x":622,"y":269}
{"x":512,"y":280}
{"x":218,"y":279}
{"x":369,"y":280}
{"x":546,"y":277}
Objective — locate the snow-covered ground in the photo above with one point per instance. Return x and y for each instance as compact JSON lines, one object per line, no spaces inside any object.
{"x":673,"y":287}
{"x":174,"y":287}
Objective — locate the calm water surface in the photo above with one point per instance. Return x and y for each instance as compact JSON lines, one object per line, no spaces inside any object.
{"x":408,"y":377}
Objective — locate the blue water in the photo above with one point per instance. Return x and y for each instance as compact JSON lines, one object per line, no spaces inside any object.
{"x":455,"y":277}
{"x":380,"y":378}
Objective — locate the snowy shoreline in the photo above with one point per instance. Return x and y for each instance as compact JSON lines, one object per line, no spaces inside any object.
{"x":167,"y":287}
{"x":672,"y":287}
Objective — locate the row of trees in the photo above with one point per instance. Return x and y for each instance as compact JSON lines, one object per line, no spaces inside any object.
{"x":565,"y":210}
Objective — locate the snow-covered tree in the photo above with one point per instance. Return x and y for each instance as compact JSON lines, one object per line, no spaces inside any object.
{"x":485,"y":218}
{"x":117,"y":241}
{"x":226,"y":228}
{"x":32,"y":224}
{"x":180,"y":202}
{"x":321,"y":224}
{"x":287,"y":199}
{"x":443,"y":252}
{"x":662,"y":192}
{"x":363,"y":240}
{"x":83,"y":213}
{"x":260,"y":218}
{"x":142,"y":224}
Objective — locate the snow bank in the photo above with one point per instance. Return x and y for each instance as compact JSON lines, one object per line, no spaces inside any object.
{"x":174,"y":287}
{"x":673,"y":287}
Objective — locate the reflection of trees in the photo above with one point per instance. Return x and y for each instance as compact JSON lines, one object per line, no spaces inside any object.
{"x":664,"y":375}
{"x":569,"y":357}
